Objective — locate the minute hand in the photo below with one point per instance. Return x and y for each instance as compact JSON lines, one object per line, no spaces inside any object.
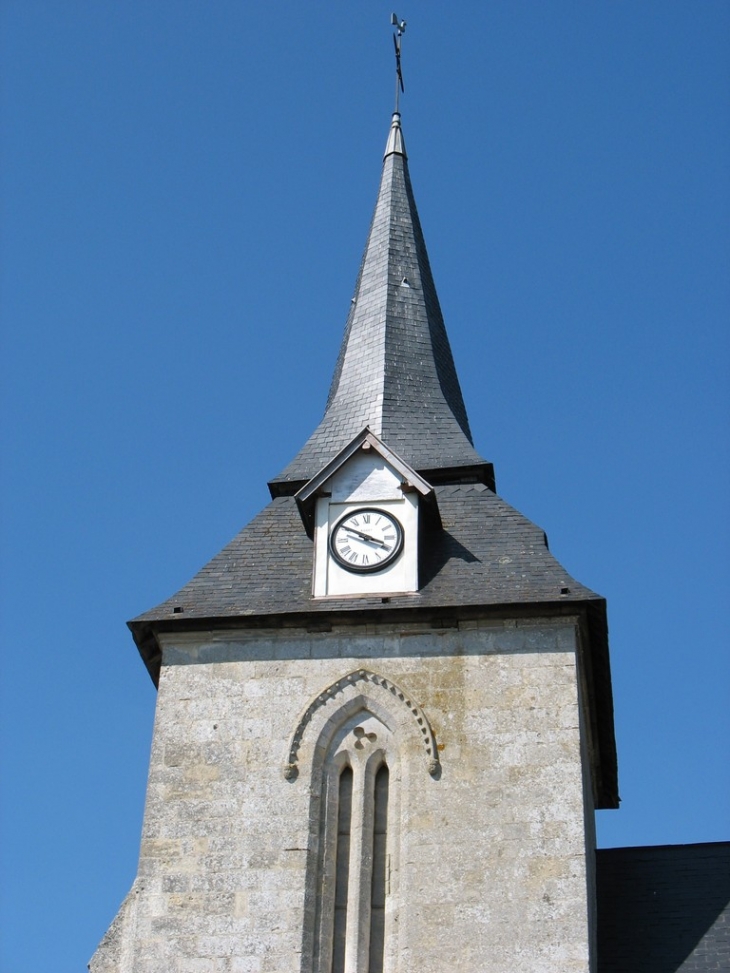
{"x":367,"y":537}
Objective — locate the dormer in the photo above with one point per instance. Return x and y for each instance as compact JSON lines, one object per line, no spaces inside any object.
{"x":366,"y":511}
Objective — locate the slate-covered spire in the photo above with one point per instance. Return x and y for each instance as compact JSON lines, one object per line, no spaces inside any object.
{"x":395,"y":372}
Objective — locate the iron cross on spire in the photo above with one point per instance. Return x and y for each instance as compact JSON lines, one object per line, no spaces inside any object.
{"x":400,"y":26}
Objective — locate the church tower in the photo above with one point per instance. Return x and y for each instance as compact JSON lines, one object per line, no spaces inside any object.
{"x":384,"y":717}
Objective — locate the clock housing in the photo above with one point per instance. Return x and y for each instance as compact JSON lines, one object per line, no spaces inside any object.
{"x":352,"y":557}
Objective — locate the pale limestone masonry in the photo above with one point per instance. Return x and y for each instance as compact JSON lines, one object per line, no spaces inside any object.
{"x":488,"y":845}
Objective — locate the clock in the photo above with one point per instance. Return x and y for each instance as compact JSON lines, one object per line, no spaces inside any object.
{"x":366,"y":540}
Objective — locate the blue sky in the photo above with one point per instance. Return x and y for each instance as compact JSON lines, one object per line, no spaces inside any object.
{"x":186,"y":192}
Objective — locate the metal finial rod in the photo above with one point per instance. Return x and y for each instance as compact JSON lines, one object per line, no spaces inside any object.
{"x":400,"y":26}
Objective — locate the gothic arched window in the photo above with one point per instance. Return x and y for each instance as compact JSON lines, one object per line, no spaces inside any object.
{"x":351,"y":884}
{"x":361,"y":727}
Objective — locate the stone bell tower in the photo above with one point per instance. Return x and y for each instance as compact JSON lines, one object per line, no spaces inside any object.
{"x":384,"y":716}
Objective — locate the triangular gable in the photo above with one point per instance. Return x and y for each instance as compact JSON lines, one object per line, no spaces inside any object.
{"x":366,"y":440}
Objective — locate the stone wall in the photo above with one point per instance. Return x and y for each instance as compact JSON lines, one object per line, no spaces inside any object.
{"x":487,"y":836}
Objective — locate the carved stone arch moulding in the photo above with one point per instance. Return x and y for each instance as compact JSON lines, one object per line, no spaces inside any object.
{"x":364,"y":681}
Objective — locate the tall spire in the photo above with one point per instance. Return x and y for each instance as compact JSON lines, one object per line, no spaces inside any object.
{"x":395,"y":371}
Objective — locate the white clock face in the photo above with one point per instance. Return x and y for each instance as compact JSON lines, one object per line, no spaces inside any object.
{"x":366,"y":540}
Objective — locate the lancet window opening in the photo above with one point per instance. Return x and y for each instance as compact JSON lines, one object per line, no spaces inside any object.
{"x":362,"y":738}
{"x":342,"y":869}
{"x":353,"y":861}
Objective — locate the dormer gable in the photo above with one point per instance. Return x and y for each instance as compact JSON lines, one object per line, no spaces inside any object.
{"x":332,"y":476}
{"x":366,"y":510}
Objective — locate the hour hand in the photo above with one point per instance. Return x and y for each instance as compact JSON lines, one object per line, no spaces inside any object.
{"x":367,"y":537}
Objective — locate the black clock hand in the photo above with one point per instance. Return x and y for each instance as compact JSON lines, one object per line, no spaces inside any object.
{"x":367,"y":537}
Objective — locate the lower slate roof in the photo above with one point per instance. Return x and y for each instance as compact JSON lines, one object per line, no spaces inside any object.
{"x":487,"y":557}
{"x":664,"y":908}
{"x":486,"y":554}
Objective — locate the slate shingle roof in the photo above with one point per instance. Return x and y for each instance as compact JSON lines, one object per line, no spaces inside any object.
{"x":485,"y":554}
{"x":395,"y":372}
{"x":664,"y":909}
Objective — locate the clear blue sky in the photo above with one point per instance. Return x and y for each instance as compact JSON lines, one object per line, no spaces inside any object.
{"x":186,"y":191}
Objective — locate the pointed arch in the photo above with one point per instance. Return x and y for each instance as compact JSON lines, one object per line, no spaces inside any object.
{"x":344,"y":696}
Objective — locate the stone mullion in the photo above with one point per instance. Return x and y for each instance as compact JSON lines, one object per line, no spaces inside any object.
{"x":362,"y":870}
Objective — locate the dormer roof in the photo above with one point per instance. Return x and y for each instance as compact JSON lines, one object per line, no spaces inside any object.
{"x":395,"y":372}
{"x":365,"y":440}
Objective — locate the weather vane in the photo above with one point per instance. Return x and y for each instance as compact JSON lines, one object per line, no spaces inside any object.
{"x":400,"y":26}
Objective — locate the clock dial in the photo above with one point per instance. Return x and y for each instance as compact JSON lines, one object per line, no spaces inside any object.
{"x":366,"y":540}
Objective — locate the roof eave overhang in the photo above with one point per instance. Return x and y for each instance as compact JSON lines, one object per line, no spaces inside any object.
{"x":466,"y":473}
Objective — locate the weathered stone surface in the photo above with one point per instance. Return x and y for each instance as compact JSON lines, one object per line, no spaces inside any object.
{"x":490,"y":847}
